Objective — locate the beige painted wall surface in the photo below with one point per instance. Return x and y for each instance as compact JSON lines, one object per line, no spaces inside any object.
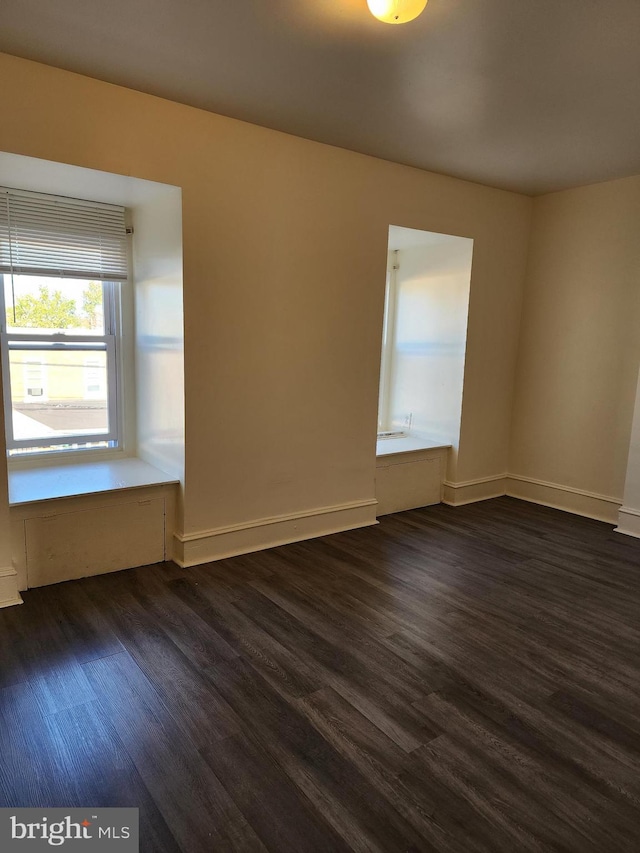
{"x":285,"y":246}
{"x":580,"y":347}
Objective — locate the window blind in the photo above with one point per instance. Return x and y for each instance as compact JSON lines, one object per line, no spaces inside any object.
{"x":54,"y":236}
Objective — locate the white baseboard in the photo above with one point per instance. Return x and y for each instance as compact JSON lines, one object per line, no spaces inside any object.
{"x":482,"y":489}
{"x":206,"y":546}
{"x":628,"y":522}
{"x":9,"y":594}
{"x":577,"y":501}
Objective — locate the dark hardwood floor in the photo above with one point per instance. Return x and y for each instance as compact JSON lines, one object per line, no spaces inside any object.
{"x":450,"y":680}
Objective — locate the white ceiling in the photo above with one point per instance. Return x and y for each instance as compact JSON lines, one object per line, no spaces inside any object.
{"x":530,"y":95}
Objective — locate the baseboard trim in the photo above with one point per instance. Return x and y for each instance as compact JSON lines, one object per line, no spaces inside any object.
{"x":193,"y":549}
{"x":566,"y":498}
{"x":205,"y":546}
{"x":9,"y":595}
{"x":471,"y":491}
{"x":628,"y":522}
{"x":577,"y":501}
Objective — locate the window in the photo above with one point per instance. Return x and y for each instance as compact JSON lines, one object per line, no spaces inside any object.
{"x":424,"y":335}
{"x":62,"y":262}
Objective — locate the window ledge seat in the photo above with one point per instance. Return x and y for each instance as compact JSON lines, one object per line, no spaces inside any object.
{"x":31,"y":485}
{"x":406,"y":444}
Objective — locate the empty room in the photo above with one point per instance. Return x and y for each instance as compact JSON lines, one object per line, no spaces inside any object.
{"x":320,"y":426}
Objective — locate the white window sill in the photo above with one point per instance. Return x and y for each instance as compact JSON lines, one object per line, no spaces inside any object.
{"x":406,"y":444}
{"x":84,"y":478}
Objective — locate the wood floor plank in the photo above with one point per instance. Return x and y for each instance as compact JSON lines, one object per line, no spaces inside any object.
{"x":46,"y":656}
{"x":190,"y":698}
{"x":490,"y":796}
{"x":369,"y":686}
{"x":386,"y":766}
{"x":329,"y":621}
{"x":450,"y":680}
{"x":337,"y":788}
{"x":283,"y":668}
{"x":557,"y":799}
{"x":197,"y":639}
{"x":203,"y":817}
{"x":82,"y":623}
{"x":277,"y":810}
{"x":31,"y":773}
{"x":100,"y":772}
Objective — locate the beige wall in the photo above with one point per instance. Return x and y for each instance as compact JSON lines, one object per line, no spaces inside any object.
{"x":579,"y":343}
{"x":284,"y":270}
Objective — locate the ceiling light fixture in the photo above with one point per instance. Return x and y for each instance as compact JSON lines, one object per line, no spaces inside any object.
{"x":396,"y":11}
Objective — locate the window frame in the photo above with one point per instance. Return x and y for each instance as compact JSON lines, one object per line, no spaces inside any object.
{"x":27,"y":340}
